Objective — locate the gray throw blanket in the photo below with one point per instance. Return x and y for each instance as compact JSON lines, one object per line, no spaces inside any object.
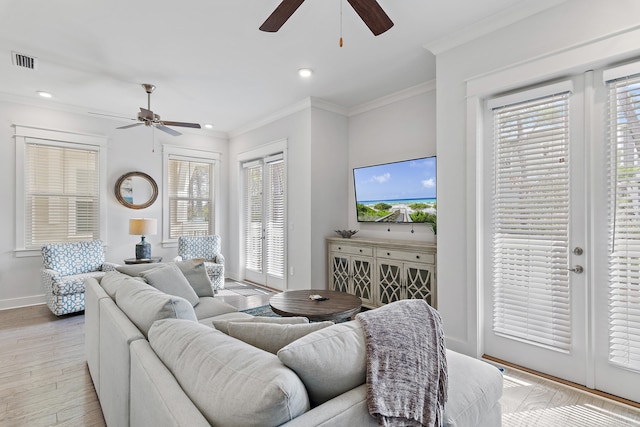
{"x":406,"y":364}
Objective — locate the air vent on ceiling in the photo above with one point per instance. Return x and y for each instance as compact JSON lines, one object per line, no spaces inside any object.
{"x":24,"y":61}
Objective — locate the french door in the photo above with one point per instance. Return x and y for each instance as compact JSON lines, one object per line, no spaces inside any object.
{"x":553,"y":297}
{"x":264,"y":220}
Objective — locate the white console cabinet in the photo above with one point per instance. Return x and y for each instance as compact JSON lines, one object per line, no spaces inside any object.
{"x":382,"y":271}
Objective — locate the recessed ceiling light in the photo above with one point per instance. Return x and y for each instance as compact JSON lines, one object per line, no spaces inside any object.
{"x":305,"y":72}
{"x":208,"y":126}
{"x":44,"y":94}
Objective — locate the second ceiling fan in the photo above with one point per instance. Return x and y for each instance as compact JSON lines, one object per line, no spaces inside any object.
{"x":149,"y":118}
{"x":369,"y":10}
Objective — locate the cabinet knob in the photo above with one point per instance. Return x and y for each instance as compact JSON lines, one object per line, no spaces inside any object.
{"x":339,"y":248}
{"x":360,"y":250}
{"x":417,"y":256}
{"x":388,"y":254}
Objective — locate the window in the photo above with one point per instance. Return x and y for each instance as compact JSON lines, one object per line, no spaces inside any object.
{"x":624,"y":220}
{"x":58,"y":188}
{"x":190,"y":192}
{"x":531,"y":219}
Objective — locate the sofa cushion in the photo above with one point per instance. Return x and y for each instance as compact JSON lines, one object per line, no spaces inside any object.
{"x":136,"y":269}
{"x":223,"y":324}
{"x":229,"y":381}
{"x":144,"y":304}
{"x":315,"y":359}
{"x":210,"y":307}
{"x":73,"y":257}
{"x":474,"y":388}
{"x":74,"y":284}
{"x":196,"y":274}
{"x":169,"y":279}
{"x":272,"y":337}
{"x":113,"y":280}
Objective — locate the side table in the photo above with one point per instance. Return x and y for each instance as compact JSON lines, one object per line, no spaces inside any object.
{"x":151,"y":260}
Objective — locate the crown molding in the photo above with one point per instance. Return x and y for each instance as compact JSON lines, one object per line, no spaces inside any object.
{"x":67,"y":108}
{"x":394,"y":97}
{"x":490,"y":24}
{"x":305,"y":104}
{"x":310,"y":102}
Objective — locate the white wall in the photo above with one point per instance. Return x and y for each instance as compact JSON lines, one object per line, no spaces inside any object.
{"x":572,"y":37}
{"x":329,"y":195}
{"x":401,"y":130}
{"x":128,"y":150}
{"x":295,"y":128}
{"x":316,"y":191}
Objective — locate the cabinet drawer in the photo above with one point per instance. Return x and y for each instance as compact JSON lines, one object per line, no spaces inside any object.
{"x":406,"y":256}
{"x":351,"y":250}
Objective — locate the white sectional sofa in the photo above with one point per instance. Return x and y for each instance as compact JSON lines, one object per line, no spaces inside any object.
{"x":156,"y":360}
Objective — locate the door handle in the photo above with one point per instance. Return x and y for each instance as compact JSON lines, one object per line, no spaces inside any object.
{"x":577,"y":269}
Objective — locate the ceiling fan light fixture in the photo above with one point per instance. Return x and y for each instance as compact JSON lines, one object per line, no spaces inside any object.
{"x":208,"y":126}
{"x":44,"y":94}
{"x":305,"y":72}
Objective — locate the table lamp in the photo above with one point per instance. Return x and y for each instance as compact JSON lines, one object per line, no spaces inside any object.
{"x":143,"y":227}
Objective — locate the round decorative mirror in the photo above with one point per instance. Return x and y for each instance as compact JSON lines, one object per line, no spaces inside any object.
{"x":136,"y":190}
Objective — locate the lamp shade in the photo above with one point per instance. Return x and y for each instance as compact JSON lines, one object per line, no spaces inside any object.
{"x":143,"y":226}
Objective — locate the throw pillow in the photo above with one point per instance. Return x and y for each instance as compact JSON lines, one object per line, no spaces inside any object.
{"x":230,"y":382}
{"x":272,"y":337}
{"x":136,"y":269}
{"x":223,"y":324}
{"x":169,"y":279}
{"x":330,"y":361}
{"x":144,"y":304}
{"x":196,"y":274}
{"x":112,"y":281}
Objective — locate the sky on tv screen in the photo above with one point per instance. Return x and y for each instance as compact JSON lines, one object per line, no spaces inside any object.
{"x":410,"y":179}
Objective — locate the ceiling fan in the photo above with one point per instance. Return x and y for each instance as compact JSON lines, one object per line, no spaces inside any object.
{"x":369,"y":10}
{"x":149,"y":118}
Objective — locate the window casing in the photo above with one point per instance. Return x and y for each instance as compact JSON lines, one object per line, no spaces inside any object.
{"x":60,"y":188}
{"x":190,"y":183}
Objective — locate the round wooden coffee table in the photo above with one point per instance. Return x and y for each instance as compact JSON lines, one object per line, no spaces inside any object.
{"x":338,"y":306}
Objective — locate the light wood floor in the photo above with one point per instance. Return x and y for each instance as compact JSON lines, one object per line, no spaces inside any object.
{"x":44,"y":380}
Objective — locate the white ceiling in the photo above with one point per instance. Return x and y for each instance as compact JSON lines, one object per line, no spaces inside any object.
{"x":210,"y":62}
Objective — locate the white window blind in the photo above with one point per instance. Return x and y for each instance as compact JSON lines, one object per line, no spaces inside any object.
{"x":624,"y":221}
{"x":530,"y":219}
{"x":62,"y":193}
{"x":253,"y":216}
{"x":275,"y":199}
{"x":190,"y":194}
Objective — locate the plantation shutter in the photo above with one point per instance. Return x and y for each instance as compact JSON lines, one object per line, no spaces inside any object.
{"x":62,"y":193}
{"x":253,"y":229}
{"x":624,"y":218}
{"x":190,"y":193}
{"x":275,"y":199}
{"x":530,"y":217}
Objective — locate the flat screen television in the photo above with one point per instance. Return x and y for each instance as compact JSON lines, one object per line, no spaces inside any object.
{"x":399,"y":192}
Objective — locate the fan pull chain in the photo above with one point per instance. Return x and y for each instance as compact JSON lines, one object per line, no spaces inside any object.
{"x":341,"y":22}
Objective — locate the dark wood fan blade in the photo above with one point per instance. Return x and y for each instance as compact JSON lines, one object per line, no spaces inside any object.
{"x":182,"y":124}
{"x":372,"y":14}
{"x":168,"y":130}
{"x":146,"y":114}
{"x":130,"y":126}
{"x":279,"y":16}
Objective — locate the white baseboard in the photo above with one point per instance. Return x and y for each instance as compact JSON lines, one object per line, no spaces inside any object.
{"x":7,"y":304}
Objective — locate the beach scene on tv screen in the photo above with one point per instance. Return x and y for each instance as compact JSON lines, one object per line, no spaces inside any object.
{"x":397,"y":192}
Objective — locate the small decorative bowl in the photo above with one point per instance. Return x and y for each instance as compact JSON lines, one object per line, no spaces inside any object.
{"x":346,"y":233}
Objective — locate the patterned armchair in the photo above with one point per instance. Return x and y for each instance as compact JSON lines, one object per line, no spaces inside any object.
{"x":65,"y":267}
{"x":208,"y":248}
